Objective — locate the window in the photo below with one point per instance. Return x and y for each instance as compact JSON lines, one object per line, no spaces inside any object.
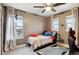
{"x":55,"y":24}
{"x":19,"y":27}
{"x":69,"y":22}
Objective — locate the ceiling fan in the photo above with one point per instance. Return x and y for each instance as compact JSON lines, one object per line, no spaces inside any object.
{"x":49,"y":6}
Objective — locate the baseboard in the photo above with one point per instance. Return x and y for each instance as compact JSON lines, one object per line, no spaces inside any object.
{"x":19,"y":46}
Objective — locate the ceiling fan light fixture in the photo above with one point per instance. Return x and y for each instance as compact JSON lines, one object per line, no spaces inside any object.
{"x":48,"y":4}
{"x":48,"y":8}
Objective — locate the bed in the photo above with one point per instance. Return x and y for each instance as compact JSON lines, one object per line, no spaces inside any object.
{"x":40,"y":42}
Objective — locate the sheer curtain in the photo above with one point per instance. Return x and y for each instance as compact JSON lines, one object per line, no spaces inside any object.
{"x":75,"y":13}
{"x":10,"y":41}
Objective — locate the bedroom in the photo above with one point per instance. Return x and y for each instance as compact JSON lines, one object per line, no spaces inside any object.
{"x":32,"y":22}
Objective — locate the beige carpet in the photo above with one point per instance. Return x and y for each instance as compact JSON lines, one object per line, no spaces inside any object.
{"x":21,"y":51}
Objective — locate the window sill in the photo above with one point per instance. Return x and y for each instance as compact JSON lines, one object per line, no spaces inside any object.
{"x":20,"y":38}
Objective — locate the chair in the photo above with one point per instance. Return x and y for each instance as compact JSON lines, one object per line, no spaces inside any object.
{"x":73,"y":49}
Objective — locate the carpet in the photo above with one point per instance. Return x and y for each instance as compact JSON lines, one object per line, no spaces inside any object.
{"x":53,"y":51}
{"x":21,"y":51}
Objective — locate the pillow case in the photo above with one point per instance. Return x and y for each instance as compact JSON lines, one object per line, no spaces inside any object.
{"x":47,"y":34}
{"x":53,"y":38}
{"x":34,"y":35}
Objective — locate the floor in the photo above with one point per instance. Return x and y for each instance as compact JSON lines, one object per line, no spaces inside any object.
{"x":21,"y":51}
{"x":53,"y":51}
{"x":26,"y":50}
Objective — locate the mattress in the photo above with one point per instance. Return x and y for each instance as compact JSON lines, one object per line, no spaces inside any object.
{"x":39,"y":41}
{"x":32,"y":39}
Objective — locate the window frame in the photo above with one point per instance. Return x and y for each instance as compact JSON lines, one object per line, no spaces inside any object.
{"x":52,"y":26}
{"x":18,"y":36}
{"x":73,"y":25}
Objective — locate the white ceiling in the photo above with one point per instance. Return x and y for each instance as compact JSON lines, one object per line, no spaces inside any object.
{"x":28,"y":7}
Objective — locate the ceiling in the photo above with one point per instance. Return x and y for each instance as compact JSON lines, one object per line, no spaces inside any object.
{"x":28,"y":7}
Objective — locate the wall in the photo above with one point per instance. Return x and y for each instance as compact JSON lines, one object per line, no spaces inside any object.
{"x":62,"y":20}
{"x":48,"y":23}
{"x":32,"y":24}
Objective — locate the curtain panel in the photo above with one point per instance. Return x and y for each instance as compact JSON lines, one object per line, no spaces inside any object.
{"x":10,"y":41}
{"x":75,"y":13}
{"x":1,"y":27}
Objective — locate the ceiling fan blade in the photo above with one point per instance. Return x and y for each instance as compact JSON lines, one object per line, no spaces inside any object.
{"x":58,"y":4}
{"x":53,"y":9}
{"x":38,"y":6}
{"x":43,"y":11}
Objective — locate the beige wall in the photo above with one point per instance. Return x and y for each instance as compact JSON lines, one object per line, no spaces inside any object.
{"x":62,"y":20}
{"x":32,"y":24}
{"x":48,"y":23}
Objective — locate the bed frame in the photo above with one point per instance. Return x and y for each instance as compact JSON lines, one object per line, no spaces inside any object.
{"x":43,"y":46}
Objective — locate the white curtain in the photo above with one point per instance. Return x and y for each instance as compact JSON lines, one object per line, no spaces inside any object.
{"x":10,"y":41}
{"x":75,"y":13}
